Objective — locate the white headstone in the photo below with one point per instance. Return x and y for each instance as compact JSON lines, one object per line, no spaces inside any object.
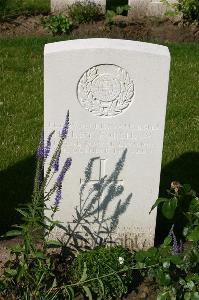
{"x":60,"y":5}
{"x":116,"y":93}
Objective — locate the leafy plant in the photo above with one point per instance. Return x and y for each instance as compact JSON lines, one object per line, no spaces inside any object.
{"x":110,"y":14}
{"x":34,"y":272}
{"x":31,"y":273}
{"x":189,"y":10}
{"x":85,"y":12}
{"x":177,"y":263}
{"x":174,"y":270}
{"x":182,"y":208}
{"x":119,"y":10}
{"x":95,"y":265}
{"x":58,"y":24}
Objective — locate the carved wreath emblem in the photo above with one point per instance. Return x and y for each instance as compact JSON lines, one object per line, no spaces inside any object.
{"x":105,"y":90}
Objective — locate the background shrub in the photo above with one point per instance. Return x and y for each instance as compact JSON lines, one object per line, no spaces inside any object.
{"x":10,"y":9}
{"x":189,"y":10}
{"x":85,"y":12}
{"x":100,"y":262}
{"x":58,"y":24}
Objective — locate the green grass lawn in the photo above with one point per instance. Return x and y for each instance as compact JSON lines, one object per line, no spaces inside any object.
{"x":13,"y":8}
{"x":21,"y":119}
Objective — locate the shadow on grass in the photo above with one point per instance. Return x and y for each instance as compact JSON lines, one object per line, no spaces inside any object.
{"x":185,"y":169}
{"x":16,"y":186}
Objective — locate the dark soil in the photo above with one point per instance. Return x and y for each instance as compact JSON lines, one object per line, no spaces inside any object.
{"x":23,"y":26}
{"x":154,"y":29}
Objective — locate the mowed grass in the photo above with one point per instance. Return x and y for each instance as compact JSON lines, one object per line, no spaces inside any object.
{"x":21,"y":119}
{"x":181,"y":140}
{"x":13,"y":8}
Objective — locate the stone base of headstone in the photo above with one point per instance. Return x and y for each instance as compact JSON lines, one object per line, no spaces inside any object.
{"x":133,"y":239}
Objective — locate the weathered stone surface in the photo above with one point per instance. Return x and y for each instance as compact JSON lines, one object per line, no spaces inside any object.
{"x":116,"y":92}
{"x":149,"y":7}
{"x":60,"y":5}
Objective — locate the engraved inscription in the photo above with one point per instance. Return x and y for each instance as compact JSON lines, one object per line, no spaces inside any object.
{"x":102,"y":139}
{"x":105,"y":90}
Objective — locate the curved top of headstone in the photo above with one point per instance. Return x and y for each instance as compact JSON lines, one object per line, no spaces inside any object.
{"x":104,"y":43}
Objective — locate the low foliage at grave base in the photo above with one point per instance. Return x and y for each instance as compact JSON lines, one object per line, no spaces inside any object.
{"x":176,"y":261}
{"x":99,"y":263}
{"x":108,"y":272}
{"x":35,"y":272}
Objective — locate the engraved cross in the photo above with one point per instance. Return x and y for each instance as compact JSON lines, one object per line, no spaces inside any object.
{"x":102,"y":171}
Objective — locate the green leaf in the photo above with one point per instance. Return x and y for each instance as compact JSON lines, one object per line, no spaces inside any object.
{"x":194,"y":205}
{"x":2,"y":285}
{"x":53,"y":244}
{"x":142,"y":255}
{"x":11,"y":272}
{"x":12,"y":233}
{"x":84,"y":275}
{"x":194,"y":277}
{"x":176,"y":260}
{"x":88,"y":292}
{"x":187,"y":296}
{"x":194,"y":296}
{"x":70,"y":292}
{"x":39,"y":254}
{"x":169,"y":207}
{"x":157,"y":202}
{"x":164,"y":296}
{"x":101,"y":286}
{"x":167,"y":241}
{"x":22,"y":212}
{"x":17,"y":249}
{"x":194,"y":235}
{"x":163,"y":278}
{"x":187,"y":187}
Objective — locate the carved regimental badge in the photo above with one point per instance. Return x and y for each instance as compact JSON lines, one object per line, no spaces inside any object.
{"x":105,"y":90}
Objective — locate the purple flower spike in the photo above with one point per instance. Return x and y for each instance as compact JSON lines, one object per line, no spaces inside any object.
{"x":176,"y":248}
{"x":58,"y":196}
{"x":40,"y":150}
{"x":48,"y":145}
{"x":63,"y":171}
{"x":65,"y":128}
{"x":56,"y":162}
{"x":175,"y":245}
